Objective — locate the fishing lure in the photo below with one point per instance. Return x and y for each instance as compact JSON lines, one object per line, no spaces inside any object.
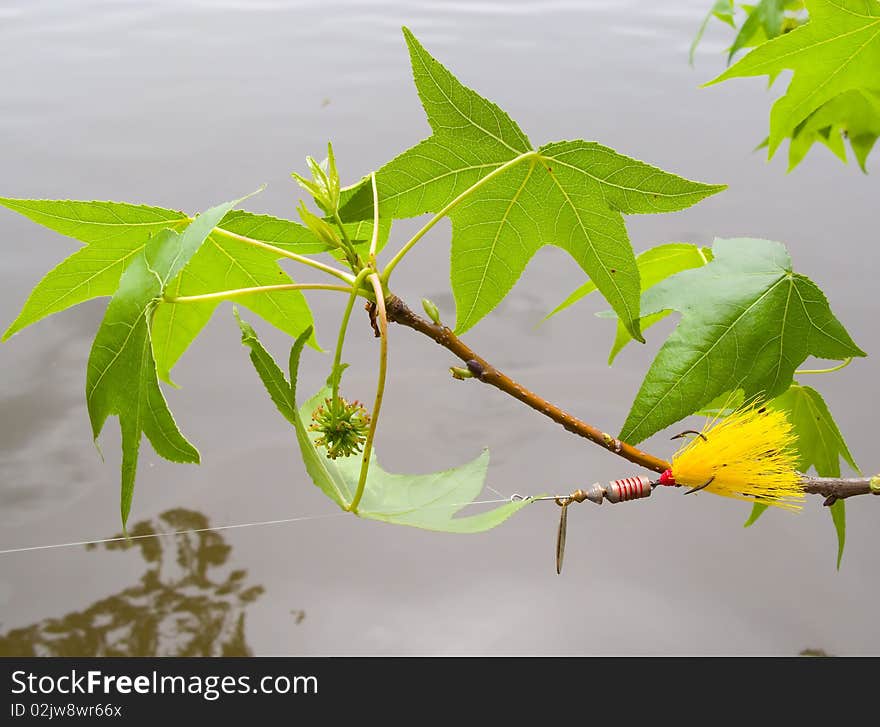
{"x":749,"y":455}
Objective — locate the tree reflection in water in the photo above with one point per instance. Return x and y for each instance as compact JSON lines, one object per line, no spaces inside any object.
{"x":182,"y":605}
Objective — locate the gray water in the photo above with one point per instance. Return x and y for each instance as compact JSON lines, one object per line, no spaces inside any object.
{"x":185,"y":104}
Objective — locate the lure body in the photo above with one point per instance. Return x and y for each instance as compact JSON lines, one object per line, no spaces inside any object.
{"x":623,"y":490}
{"x":749,"y":455}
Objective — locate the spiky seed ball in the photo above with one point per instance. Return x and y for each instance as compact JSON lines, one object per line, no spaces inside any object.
{"x":343,"y":426}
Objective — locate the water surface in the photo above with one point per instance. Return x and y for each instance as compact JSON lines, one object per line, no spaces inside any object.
{"x":186,"y":104}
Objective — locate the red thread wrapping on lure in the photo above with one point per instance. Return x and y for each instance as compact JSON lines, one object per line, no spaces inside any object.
{"x":667,"y":479}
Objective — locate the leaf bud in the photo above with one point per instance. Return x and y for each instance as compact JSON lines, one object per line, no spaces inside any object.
{"x":431,"y":310}
{"x":320,"y":228}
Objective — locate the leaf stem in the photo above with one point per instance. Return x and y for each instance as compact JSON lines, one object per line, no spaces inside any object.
{"x":702,"y":255}
{"x":354,"y":261}
{"x":343,"y":327}
{"x":374,"y":241}
{"x":386,"y":273}
{"x":846,"y":362}
{"x":317,"y":264}
{"x":224,"y":294}
{"x":380,"y":388}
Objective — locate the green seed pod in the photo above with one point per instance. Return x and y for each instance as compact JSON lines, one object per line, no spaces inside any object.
{"x":343,"y":427}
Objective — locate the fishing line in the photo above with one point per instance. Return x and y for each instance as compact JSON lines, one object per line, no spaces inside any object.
{"x":260,"y":523}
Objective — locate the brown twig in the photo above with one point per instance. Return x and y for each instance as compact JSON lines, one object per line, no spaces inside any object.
{"x":832,"y":489}
{"x":835,"y":488}
{"x":400,"y":313}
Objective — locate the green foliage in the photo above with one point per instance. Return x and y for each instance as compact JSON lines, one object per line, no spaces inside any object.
{"x":571,"y":194}
{"x":835,"y":57}
{"x":655,"y":264}
{"x":121,"y":376}
{"x":296,"y":238}
{"x":424,"y":501}
{"x":763,"y":21}
{"x":722,"y":10}
{"x":114,"y":233}
{"x":748,"y":321}
{"x":324,"y":184}
{"x":853,"y":115}
{"x":224,"y":262}
{"x":838,"y":517}
{"x":820,"y":445}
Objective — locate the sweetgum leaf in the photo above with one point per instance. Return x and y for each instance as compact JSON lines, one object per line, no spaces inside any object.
{"x":294,"y":237}
{"x":757,"y":510}
{"x":854,"y":115}
{"x":748,"y":321}
{"x":820,"y":444}
{"x":115,"y":232}
{"x":571,"y":194}
{"x":121,"y":377}
{"x":224,"y":263}
{"x":655,"y":264}
{"x":838,"y":518}
{"x":764,"y":21}
{"x":723,"y":10}
{"x":424,"y":501}
{"x":838,"y":50}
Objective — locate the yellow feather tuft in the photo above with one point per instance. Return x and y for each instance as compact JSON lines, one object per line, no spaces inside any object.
{"x":751,"y":456}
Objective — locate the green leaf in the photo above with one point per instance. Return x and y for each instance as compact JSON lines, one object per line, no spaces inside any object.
{"x":838,"y":517}
{"x":99,"y":222}
{"x":655,"y":264}
{"x":764,"y":21}
{"x":121,"y":377}
{"x":272,"y":377}
{"x":571,"y":194}
{"x":820,"y":444}
{"x":748,"y":321}
{"x":116,"y":233}
{"x":807,"y":134}
{"x":838,"y":50}
{"x":293,"y":237}
{"x":423,"y":501}
{"x":722,"y":405}
{"x":853,"y":114}
{"x":723,"y":10}
{"x":757,"y":510}
{"x":224,"y":263}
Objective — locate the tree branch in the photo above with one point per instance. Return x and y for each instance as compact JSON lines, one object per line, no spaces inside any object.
{"x":835,"y":488}
{"x":397,"y":311}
